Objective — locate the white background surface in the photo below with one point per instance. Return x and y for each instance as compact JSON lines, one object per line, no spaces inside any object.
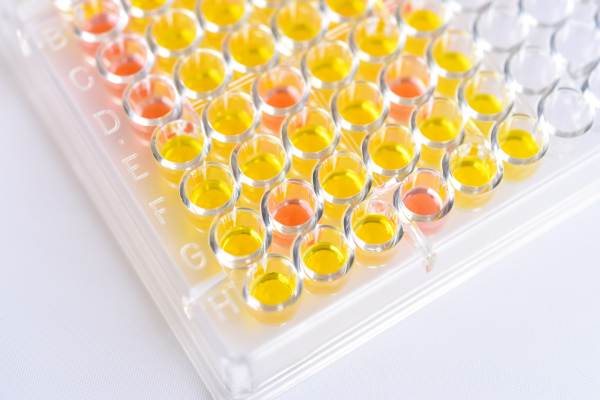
{"x":76,"y":322}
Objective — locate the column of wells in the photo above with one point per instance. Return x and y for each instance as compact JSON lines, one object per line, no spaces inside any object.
{"x":271,"y":100}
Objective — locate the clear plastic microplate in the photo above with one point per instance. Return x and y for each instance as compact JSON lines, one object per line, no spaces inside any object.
{"x":237,"y":356}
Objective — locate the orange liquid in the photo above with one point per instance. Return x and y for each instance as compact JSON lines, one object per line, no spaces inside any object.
{"x":282,"y":97}
{"x":128,"y":66}
{"x":100,"y":24}
{"x":292,"y":212}
{"x":422,"y":201}
{"x":156,"y":109}
{"x":407,"y":88}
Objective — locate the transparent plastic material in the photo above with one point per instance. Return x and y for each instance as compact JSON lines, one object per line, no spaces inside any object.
{"x":245,"y":345}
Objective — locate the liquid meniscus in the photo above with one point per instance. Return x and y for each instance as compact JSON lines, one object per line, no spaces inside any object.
{"x":342,"y":183}
{"x":391,"y":156}
{"x":300,"y":31}
{"x":422,"y":201}
{"x":222,"y":12}
{"x":262,"y":166}
{"x":292,"y":212}
{"x":181,"y":149}
{"x":331,"y":69}
{"x":147,"y":4}
{"x":204,"y":80}
{"x":485,"y":104}
{"x":360,"y":112}
{"x":211,"y":194}
{"x":378,"y":45}
{"x":408,"y":87}
{"x":173,"y":37}
{"x":423,"y":20}
{"x":127,"y":66}
{"x":282,"y":97}
{"x":347,"y":8}
{"x":101,"y":23}
{"x":232,"y":122}
{"x":323,"y":258}
{"x":241,"y":241}
{"x":311,"y":138}
{"x":439,"y":129}
{"x":253,"y":55}
{"x":271,"y":288}
{"x":454,"y":62}
{"x":519,"y":144}
{"x":472,"y":171}
{"x":156,"y":109}
{"x":374,"y":228}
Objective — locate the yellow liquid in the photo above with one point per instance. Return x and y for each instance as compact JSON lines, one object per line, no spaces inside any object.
{"x":331,"y":70}
{"x":272,"y":288}
{"x":147,"y":4}
{"x":174,"y":37}
{"x":323,"y":258}
{"x":347,"y":8}
{"x":454,"y":62}
{"x":262,"y":166}
{"x":300,"y":31}
{"x":378,"y":45}
{"x":311,"y":138}
{"x":342,"y":183}
{"x":374,"y":229}
{"x":360,"y":112}
{"x":439,"y":129}
{"x":232,"y":122}
{"x":204,"y":80}
{"x":485,"y":104}
{"x":181,"y":148}
{"x":211,"y":194}
{"x":473,"y":171}
{"x":391,"y":156}
{"x":222,"y":12}
{"x":241,"y":241}
{"x":423,"y":20}
{"x":519,"y":144}
{"x":253,"y":55}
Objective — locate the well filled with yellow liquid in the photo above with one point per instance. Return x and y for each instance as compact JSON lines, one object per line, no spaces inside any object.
{"x":211,"y":194}
{"x":424,"y":21}
{"x":232,"y":122}
{"x":360,"y":112}
{"x":485,"y":103}
{"x":311,"y":138}
{"x":174,"y":31}
{"x":347,"y":8}
{"x":147,"y":5}
{"x":331,"y":69}
{"x":472,"y":171}
{"x":181,"y":149}
{"x":391,"y":156}
{"x":439,"y":129}
{"x":323,"y":258}
{"x":262,"y":166}
{"x":342,"y":183}
{"x":271,"y":288}
{"x":222,"y":12}
{"x":374,"y":229}
{"x":378,"y":45}
{"x":518,"y":143}
{"x":452,"y":62}
{"x":241,"y":241}
{"x":201,"y":78}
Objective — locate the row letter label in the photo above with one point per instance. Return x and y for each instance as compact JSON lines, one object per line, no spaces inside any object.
{"x":189,"y":260}
{"x":102,"y":118}
{"x":132,"y":168}
{"x":158,"y":211}
{"x":79,"y":71}
{"x":223,"y":301}
{"x":52,"y":37}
